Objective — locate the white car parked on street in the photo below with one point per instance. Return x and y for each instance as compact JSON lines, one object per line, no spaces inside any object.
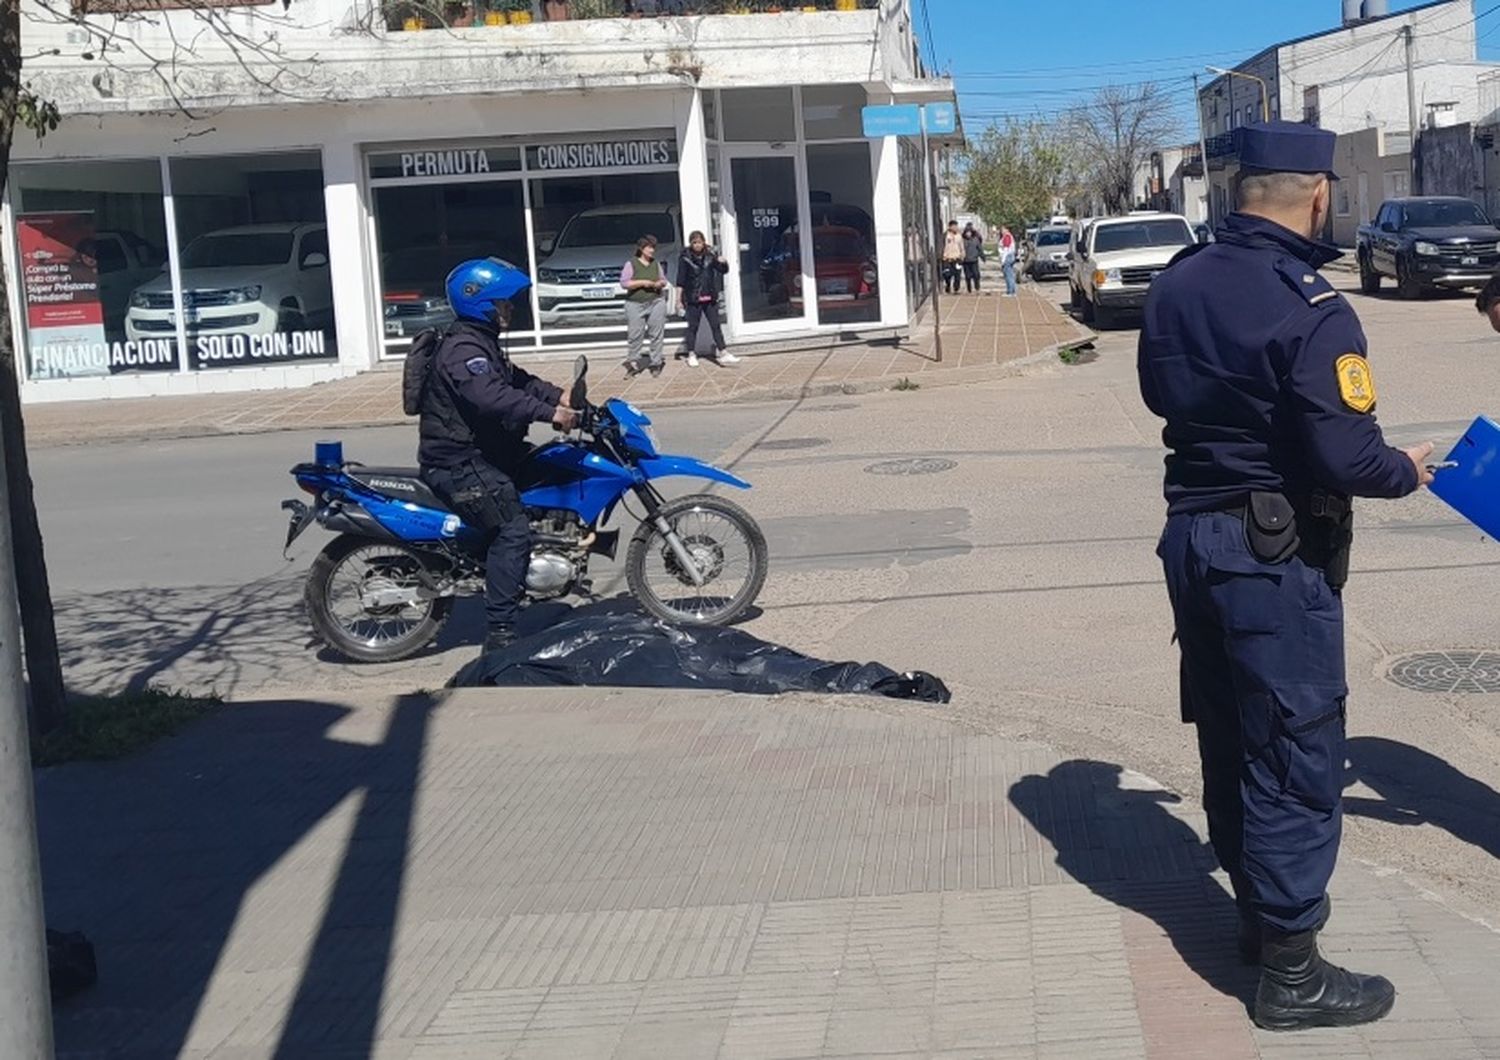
{"x":1114,"y":259}
{"x":251,"y":280}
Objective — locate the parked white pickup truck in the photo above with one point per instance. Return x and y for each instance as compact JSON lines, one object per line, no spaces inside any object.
{"x":1114,"y":260}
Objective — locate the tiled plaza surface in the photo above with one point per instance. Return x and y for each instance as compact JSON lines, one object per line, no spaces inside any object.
{"x":555,"y":873}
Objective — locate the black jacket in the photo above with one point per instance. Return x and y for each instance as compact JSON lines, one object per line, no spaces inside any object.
{"x":700,"y":274}
{"x":478,"y":405}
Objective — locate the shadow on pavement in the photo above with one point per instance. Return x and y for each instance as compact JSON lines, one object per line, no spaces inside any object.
{"x":1417,"y":787}
{"x":213,"y":926}
{"x":1125,"y":846}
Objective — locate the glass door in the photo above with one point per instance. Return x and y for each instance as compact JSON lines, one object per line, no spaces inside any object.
{"x":760,"y":223}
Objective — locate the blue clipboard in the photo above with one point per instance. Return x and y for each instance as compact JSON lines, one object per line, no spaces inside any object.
{"x":1473,"y":487}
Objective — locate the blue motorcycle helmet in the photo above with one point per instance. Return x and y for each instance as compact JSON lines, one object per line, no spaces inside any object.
{"x":478,"y":289}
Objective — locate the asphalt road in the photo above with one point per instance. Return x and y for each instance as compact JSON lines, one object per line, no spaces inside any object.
{"x":1021,"y":569}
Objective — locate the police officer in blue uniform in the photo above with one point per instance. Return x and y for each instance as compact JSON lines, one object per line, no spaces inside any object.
{"x":1259,"y":368}
{"x":476,"y":409}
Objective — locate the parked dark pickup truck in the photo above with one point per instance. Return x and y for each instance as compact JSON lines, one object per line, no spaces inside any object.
{"x":1422,"y":243}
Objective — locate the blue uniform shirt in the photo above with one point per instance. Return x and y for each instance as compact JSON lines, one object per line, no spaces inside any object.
{"x":1258,"y":366}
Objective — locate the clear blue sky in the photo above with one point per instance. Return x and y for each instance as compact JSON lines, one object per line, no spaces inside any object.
{"x":1024,"y":57}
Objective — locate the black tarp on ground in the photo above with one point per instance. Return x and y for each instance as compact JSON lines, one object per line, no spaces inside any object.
{"x":634,"y":651}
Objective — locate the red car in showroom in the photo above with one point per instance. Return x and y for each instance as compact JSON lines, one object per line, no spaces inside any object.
{"x":844,"y":268}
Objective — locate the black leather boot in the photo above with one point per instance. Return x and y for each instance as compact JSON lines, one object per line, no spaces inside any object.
{"x":498,"y":638}
{"x":1251,"y":931}
{"x":1299,"y":989}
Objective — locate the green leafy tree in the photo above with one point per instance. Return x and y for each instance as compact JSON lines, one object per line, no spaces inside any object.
{"x":1014,"y":173}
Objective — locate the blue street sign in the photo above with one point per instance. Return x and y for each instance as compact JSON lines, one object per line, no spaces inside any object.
{"x":900,"y":120}
{"x":942,"y":118}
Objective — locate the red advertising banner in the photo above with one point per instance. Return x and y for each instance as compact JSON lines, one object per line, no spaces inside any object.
{"x":60,"y":280}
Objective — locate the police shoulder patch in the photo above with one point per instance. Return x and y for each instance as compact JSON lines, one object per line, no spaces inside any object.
{"x":478,"y":365}
{"x":1356,"y":384}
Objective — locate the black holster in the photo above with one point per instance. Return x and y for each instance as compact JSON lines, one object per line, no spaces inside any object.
{"x":1332,"y":517}
{"x":1271,"y":527}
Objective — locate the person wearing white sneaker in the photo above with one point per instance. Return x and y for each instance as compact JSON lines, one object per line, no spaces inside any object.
{"x":700,"y":281}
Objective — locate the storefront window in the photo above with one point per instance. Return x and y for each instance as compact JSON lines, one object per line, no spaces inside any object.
{"x":759,"y":115}
{"x":425,"y":230}
{"x":257,"y":285}
{"x":916,"y":227}
{"x":833,"y":112}
{"x":89,"y":235}
{"x":586,"y":229}
{"x":841,"y":213}
{"x":770,"y":261}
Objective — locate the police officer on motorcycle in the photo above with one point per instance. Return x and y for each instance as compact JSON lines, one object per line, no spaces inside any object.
{"x":1258,"y":366}
{"x":476,"y":408}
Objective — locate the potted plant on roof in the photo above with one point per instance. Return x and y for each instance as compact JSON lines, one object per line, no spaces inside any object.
{"x":519,"y":11}
{"x":556,"y":10}
{"x":458,"y":14}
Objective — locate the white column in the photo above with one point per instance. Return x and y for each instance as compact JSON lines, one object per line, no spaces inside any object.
{"x":356,"y":307}
{"x":692,"y":164}
{"x":890,"y":242}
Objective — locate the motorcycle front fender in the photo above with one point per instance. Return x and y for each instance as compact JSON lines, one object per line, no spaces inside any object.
{"x":668,"y":466}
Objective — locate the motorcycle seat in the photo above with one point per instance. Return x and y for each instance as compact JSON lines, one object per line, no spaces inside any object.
{"x":398,"y":483}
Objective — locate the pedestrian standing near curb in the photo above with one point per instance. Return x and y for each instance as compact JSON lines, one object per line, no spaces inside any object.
{"x":700,"y":280}
{"x":1008,"y":260}
{"x":973,"y":255}
{"x":1258,"y":367}
{"x":645,"y":308}
{"x":953,"y":257}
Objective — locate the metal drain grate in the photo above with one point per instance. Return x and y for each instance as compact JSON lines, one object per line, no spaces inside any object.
{"x":792,"y":443}
{"x":921,"y":465}
{"x":1448,"y":672}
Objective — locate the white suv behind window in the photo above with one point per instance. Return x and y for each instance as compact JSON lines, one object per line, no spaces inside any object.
{"x":1114,"y":260}
{"x":253,"y":280}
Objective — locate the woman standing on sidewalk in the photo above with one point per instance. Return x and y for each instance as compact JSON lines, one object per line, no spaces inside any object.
{"x":700,"y":281}
{"x":645,"y":307}
{"x":953,"y":257}
{"x":973,"y":255}
{"x":1008,"y":260}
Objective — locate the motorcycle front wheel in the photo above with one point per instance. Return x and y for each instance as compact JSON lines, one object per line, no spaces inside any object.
{"x":725,"y":546}
{"x":360,"y":600}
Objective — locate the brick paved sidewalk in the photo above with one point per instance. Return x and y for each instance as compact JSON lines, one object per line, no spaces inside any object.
{"x":984,"y":337}
{"x":556,"y":873}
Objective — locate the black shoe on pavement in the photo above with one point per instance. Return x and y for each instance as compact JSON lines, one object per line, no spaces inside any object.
{"x":1251,"y":931}
{"x":1299,"y":989}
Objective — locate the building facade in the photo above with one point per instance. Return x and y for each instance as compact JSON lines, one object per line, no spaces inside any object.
{"x":1352,"y":77}
{"x":284,"y":211}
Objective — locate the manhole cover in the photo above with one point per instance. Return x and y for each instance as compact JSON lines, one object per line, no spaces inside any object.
{"x":922,"y":465}
{"x":792,"y":443}
{"x":1461,"y":672}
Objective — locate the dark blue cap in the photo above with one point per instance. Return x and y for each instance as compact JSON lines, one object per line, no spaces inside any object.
{"x":1288,"y":147}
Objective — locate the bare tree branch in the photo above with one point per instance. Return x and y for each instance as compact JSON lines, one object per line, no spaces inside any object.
{"x":1115,"y":134}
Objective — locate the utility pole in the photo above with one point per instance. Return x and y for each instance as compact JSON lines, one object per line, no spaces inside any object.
{"x":1208,"y":198}
{"x":1411,"y":109}
{"x":25,"y":1006}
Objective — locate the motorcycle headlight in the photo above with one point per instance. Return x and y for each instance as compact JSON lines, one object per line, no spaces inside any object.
{"x":1427,"y":250}
{"x":650,"y":432}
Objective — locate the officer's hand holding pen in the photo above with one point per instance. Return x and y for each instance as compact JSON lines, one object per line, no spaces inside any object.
{"x":1418,"y":455}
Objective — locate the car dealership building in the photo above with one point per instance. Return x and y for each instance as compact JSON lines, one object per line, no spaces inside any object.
{"x":286,"y":215}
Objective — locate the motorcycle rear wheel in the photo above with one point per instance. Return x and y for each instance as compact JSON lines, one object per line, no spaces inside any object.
{"x":727,"y":546}
{"x":355,"y":629}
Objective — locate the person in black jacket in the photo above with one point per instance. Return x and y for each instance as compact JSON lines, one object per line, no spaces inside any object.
{"x":476,"y":409}
{"x":700,"y":282}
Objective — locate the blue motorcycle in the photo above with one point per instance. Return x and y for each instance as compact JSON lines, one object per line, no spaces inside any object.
{"x":384,"y":587}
